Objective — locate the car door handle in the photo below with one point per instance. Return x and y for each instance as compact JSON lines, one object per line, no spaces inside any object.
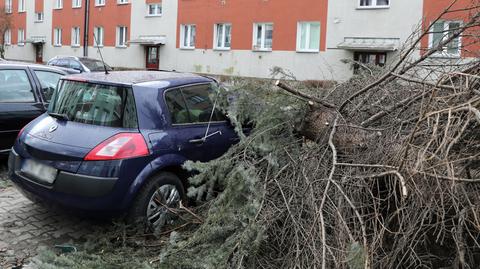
{"x":197,"y":141}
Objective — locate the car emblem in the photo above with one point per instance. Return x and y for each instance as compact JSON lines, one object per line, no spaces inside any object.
{"x":53,"y":128}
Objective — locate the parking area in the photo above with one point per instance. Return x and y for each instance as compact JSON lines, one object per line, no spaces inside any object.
{"x":25,"y":226}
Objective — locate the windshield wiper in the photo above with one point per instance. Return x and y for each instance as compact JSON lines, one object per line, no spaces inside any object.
{"x":59,"y":116}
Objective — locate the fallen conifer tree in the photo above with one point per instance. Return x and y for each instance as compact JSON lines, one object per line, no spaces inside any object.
{"x":381,"y":171}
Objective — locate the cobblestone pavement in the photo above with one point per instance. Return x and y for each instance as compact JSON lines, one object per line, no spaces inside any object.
{"x":25,"y":226}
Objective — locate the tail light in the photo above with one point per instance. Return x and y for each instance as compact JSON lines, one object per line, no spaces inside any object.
{"x":119,"y":146}
{"x":21,"y":131}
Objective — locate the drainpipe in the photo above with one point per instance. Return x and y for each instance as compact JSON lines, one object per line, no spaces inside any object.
{"x":85,"y":27}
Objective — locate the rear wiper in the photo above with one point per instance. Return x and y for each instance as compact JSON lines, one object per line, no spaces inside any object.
{"x":59,"y":116}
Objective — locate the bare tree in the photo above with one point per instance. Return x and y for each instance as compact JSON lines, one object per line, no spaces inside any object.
{"x":6,"y":23}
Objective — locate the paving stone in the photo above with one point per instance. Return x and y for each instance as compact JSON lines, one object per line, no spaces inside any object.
{"x":24,"y":226}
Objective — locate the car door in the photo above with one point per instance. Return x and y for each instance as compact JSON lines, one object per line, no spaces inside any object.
{"x":47,"y":81}
{"x":19,"y":103}
{"x":200,"y":135}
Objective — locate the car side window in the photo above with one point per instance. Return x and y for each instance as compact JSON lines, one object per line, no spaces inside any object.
{"x":193,"y":104}
{"x":74,"y":65}
{"x":62,"y":63}
{"x":15,"y":87}
{"x":177,"y":107}
{"x":48,"y":81}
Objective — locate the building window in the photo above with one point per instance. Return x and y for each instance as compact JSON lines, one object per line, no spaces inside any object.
{"x":76,"y":3}
{"x":75,"y":37}
{"x":374,"y":3}
{"x":121,"y":36}
{"x":38,"y":16}
{"x":8,"y":6}
{"x":99,"y":3}
{"x":21,"y":37}
{"x":58,"y":4}
{"x":223,"y":36}
{"x":21,"y":6}
{"x":443,"y":30}
{"x":57,"y":37}
{"x":262,"y":36}
{"x":7,"y":37}
{"x":369,"y":58}
{"x":187,"y":36}
{"x":122,"y":1}
{"x":98,"y":36}
{"x":154,"y":9}
{"x":308,"y":37}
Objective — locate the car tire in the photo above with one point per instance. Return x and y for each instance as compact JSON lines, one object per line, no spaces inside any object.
{"x":156,"y":188}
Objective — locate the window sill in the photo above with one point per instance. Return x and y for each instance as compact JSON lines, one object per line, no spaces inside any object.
{"x":98,"y":46}
{"x":121,"y":46}
{"x":76,"y":7}
{"x":37,"y":21}
{"x":153,"y":16}
{"x":21,"y":44}
{"x":308,"y":51}
{"x":100,"y":5}
{"x":222,"y":49}
{"x":22,"y":11}
{"x":75,"y":46}
{"x":120,"y":4}
{"x":445,"y":55}
{"x":57,"y":45}
{"x":57,"y":8}
{"x":373,"y":7}
{"x":262,"y":50}
{"x":187,"y":48}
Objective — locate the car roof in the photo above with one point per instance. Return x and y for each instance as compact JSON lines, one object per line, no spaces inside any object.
{"x":78,"y":58}
{"x":8,"y":64}
{"x":158,"y":79}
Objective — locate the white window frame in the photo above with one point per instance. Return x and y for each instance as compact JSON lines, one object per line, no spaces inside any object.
{"x":215,"y":41}
{"x":76,"y":3}
{"x":7,"y":37}
{"x":262,"y":47}
{"x":446,"y":28}
{"x":188,"y":28}
{"x":8,"y":6}
{"x":158,"y":9}
{"x":37,"y":18}
{"x":58,"y":4}
{"x":122,"y":2}
{"x":374,"y":5}
{"x":75,"y":42}
{"x":121,"y":43}
{"x":99,"y":3}
{"x":307,"y":40}
{"x":22,"y":6}
{"x":97,"y":37}
{"x":57,"y":37}
{"x":21,"y":37}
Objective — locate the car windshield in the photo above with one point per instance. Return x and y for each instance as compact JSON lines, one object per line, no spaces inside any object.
{"x":94,"y":65}
{"x":95,"y":104}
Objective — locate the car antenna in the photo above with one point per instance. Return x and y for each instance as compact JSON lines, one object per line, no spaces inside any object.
{"x":100,"y":52}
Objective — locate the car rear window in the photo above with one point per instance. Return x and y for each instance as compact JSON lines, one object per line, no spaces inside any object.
{"x":95,"y":104}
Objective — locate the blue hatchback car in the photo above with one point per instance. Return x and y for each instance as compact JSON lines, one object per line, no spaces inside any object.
{"x":115,"y":143}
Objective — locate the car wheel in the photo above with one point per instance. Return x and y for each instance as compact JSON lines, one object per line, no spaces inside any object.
{"x":156,"y":203}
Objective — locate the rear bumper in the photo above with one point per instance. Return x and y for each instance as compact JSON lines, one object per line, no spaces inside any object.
{"x":68,"y":190}
{"x":69,"y":183}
